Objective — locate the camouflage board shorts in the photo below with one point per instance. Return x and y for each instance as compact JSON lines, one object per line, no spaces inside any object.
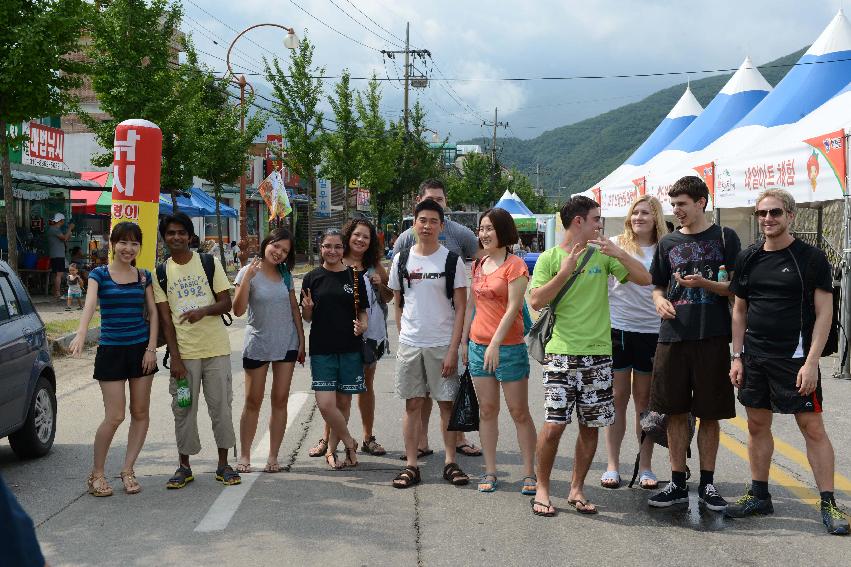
{"x":583,"y":381}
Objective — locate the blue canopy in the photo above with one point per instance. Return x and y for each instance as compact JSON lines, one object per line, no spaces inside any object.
{"x":197,"y":204}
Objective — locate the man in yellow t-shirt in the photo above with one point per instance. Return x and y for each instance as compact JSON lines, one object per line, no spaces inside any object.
{"x":199,"y":345}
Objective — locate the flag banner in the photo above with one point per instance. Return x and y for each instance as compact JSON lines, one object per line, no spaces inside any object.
{"x":275,"y":196}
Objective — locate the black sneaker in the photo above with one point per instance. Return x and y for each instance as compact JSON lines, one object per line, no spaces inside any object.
{"x":749,"y":505}
{"x":710,"y":498}
{"x":833,"y":519}
{"x":668,"y":496}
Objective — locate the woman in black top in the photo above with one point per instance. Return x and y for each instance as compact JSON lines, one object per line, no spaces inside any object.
{"x":334,"y":302}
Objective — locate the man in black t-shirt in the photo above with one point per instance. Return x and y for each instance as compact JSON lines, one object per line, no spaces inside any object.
{"x":781,"y":321}
{"x":692,"y":362}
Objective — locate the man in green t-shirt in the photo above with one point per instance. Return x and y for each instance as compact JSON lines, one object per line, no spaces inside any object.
{"x":578,"y":365}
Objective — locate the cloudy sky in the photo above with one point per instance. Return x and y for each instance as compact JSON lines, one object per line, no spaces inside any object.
{"x":475,"y":43}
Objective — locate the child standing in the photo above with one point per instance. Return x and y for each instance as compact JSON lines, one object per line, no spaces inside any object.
{"x":75,"y":287}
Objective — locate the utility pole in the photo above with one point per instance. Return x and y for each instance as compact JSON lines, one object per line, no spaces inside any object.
{"x":496,"y":123}
{"x":419,"y":80}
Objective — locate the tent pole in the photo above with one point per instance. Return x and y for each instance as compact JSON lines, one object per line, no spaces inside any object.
{"x":844,"y":372}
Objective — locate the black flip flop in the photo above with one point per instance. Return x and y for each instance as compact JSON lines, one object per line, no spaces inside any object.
{"x":473,"y":452}
{"x":545,"y":505}
{"x":420,"y":454}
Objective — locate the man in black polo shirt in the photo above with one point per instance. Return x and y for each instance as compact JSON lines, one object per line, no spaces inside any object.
{"x":781,"y":321}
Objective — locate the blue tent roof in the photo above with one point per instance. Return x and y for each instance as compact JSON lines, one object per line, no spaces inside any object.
{"x":197,"y":204}
{"x":680,"y":117}
{"x":745,"y":89}
{"x":513,"y":207}
{"x":823,"y":71}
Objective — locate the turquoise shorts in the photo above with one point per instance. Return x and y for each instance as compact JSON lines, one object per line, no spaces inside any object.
{"x":513,"y":362}
{"x":341,"y":372}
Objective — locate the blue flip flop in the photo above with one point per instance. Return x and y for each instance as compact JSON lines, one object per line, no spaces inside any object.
{"x":485,"y":480}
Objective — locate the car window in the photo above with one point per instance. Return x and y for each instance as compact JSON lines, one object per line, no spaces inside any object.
{"x":11,"y":307}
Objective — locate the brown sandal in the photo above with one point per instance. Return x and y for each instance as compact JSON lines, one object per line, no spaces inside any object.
{"x":98,"y":486}
{"x":320,"y":449}
{"x":453,"y":474}
{"x":351,"y":455}
{"x":407,"y":478}
{"x":331,"y":459}
{"x":131,"y":485}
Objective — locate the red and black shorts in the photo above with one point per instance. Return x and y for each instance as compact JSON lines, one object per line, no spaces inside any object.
{"x":770,"y":383}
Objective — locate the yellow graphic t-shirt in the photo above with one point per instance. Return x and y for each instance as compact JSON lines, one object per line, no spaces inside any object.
{"x":189,"y":289}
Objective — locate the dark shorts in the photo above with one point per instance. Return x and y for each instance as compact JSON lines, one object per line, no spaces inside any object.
{"x":341,"y":372}
{"x":57,"y":265}
{"x":120,"y":362}
{"x":693,"y":376}
{"x":769,"y":383}
{"x":633,"y":351}
{"x":251,"y":364}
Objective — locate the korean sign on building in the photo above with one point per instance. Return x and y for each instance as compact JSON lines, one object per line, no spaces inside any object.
{"x":45,"y":147}
{"x":323,"y":198}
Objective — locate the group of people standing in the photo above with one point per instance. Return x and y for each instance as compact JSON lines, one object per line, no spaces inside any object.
{"x":645,"y":315}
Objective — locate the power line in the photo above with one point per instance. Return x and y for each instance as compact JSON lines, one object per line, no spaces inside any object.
{"x":358,"y":22}
{"x":376,"y":23}
{"x":332,"y":28}
{"x":228,"y":26}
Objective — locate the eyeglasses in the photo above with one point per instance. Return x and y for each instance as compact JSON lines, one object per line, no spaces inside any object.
{"x":762,"y":213}
{"x":332,"y":246}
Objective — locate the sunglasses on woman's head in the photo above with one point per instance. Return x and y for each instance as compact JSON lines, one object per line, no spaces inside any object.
{"x":762,"y":213}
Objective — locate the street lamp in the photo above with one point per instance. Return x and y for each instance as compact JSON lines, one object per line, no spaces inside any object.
{"x":290,"y":42}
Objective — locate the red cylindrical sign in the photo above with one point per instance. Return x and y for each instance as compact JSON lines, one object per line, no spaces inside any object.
{"x":136,"y":182}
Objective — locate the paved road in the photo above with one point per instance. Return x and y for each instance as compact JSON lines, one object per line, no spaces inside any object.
{"x":311,"y":515}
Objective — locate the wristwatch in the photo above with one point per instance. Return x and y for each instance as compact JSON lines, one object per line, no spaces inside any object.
{"x":736,"y":355}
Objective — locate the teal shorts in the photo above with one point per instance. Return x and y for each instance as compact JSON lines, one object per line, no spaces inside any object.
{"x":341,"y":372}
{"x":513,"y":362}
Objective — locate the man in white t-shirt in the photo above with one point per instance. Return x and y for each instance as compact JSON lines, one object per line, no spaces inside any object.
{"x":430,"y":325}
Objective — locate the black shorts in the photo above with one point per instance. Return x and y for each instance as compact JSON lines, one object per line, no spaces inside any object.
{"x":633,"y":351}
{"x":693,"y":376}
{"x":120,"y":362}
{"x":769,"y":383}
{"x":251,"y":364}
{"x":57,"y":265}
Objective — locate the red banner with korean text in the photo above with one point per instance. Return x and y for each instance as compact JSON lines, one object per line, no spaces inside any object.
{"x":598,"y":195}
{"x":832,"y":148}
{"x":640,"y":186}
{"x":707,"y":173}
{"x":136,"y":182}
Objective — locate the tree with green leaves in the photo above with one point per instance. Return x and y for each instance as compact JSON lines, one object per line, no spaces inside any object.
{"x":222,"y":150}
{"x":475,"y":184}
{"x":340,"y":158}
{"x":379,"y":149}
{"x":298,"y":91}
{"x":36,"y":76}
{"x":415,"y":160}
{"x":523,"y":188}
{"x":135,"y":75}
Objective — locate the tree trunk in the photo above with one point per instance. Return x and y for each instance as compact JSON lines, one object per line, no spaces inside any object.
{"x":174,"y":207}
{"x":310,"y":238}
{"x":11,"y":221}
{"x":217,"y":189}
{"x":345,"y":201}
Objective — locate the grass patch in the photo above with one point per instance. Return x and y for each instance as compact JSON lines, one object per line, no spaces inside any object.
{"x":56,"y":329}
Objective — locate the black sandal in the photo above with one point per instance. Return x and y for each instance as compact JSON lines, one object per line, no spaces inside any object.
{"x":407,"y":478}
{"x":182,"y":476}
{"x":454,"y":475}
{"x":420,"y":454}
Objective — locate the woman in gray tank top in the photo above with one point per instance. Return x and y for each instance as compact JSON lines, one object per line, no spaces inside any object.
{"x":273,"y":336}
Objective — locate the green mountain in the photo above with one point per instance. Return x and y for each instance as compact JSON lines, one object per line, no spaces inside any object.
{"x":582,"y":153}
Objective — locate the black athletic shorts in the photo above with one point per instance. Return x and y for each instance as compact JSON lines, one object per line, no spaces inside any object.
{"x":251,"y":364}
{"x":693,"y":376}
{"x":633,"y":351}
{"x":57,"y":265}
{"x":120,"y":362}
{"x":769,"y":383}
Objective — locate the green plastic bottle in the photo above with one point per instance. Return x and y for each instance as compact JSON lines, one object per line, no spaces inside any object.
{"x":722,"y":273}
{"x":184,"y":394}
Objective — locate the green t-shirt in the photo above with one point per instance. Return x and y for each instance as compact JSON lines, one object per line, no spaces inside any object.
{"x":582,"y":316}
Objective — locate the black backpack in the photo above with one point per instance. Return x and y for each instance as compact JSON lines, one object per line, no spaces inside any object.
{"x":806,"y":258}
{"x":448,"y":273}
{"x":209,"y":266}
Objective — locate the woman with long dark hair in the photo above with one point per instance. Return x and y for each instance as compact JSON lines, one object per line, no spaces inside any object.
{"x":273,"y":337}
{"x":126,"y":352}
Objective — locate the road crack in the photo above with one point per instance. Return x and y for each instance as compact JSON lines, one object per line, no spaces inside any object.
{"x":305,"y":430}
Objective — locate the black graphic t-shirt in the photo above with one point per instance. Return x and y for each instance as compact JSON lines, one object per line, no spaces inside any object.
{"x":771,"y":283}
{"x":331,"y":329}
{"x":701,"y":314}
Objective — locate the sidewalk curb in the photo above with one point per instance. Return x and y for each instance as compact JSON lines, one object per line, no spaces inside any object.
{"x":59,"y":347}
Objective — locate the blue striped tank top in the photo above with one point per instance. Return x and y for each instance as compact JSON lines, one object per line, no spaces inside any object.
{"x":122,"y":308}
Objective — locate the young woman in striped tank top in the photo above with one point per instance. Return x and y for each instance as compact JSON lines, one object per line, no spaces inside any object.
{"x":126,"y":352}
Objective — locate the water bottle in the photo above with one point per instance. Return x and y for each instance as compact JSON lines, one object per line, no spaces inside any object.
{"x":722,"y":273}
{"x":184,"y":394}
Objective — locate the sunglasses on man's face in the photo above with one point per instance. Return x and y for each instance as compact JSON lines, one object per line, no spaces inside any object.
{"x":762,"y":213}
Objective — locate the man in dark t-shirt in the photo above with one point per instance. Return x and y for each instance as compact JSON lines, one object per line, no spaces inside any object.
{"x":692,"y":362}
{"x":781,"y":321}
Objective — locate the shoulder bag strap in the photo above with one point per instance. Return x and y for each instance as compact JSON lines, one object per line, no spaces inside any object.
{"x":572,"y":279}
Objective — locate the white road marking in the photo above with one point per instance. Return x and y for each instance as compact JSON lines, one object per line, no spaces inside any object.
{"x":221,"y":512}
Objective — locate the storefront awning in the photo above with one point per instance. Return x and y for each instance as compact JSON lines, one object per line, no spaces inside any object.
{"x":91,"y":202}
{"x":27,"y":177}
